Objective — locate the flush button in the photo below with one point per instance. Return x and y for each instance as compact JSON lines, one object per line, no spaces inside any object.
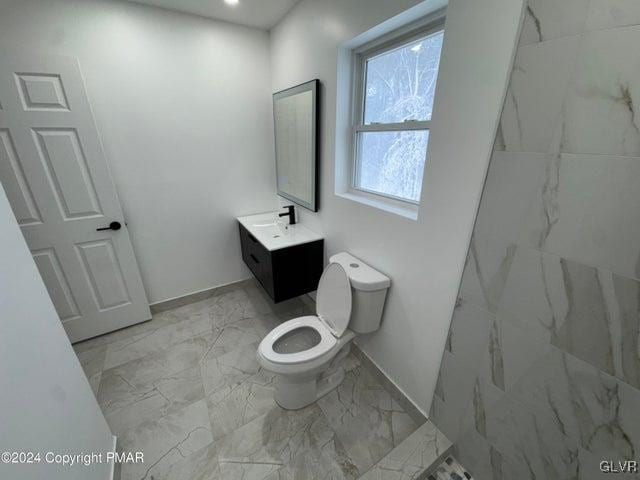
{"x":354,"y":265}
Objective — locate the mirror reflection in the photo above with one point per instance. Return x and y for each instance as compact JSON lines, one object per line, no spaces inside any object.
{"x":295,"y":123}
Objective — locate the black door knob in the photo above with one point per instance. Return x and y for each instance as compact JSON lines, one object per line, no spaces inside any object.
{"x":112,"y":226}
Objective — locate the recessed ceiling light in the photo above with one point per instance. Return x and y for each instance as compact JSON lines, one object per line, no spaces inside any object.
{"x":231,"y":2}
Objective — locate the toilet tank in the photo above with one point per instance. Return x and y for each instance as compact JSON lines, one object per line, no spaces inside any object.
{"x":368,"y":290}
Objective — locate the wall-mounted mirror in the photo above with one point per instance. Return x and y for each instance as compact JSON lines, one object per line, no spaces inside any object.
{"x":295,"y":118}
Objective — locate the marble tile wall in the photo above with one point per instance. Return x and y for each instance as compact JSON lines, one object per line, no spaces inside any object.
{"x":540,"y":377}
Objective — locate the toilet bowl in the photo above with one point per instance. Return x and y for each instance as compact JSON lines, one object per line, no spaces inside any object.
{"x":307,"y":353}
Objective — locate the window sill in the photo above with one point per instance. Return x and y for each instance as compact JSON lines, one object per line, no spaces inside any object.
{"x":387,"y":204}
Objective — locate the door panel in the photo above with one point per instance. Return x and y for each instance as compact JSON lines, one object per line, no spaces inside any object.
{"x":66,"y":169}
{"x":41,"y":92}
{"x":56,"y":283}
{"x":54,"y":170}
{"x":16,"y":185}
{"x":104,"y":275}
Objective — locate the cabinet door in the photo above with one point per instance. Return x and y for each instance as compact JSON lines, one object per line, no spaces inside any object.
{"x":258,"y":259}
{"x":297,"y":269}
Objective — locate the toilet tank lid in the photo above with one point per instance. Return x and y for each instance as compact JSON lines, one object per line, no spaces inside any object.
{"x":362,"y":276}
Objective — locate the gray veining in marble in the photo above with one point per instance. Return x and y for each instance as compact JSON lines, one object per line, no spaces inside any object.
{"x":513,"y":182}
{"x":366,"y":418}
{"x":166,"y":440}
{"x":588,"y":312}
{"x":146,"y":388}
{"x":548,"y":19}
{"x":486,"y":271}
{"x":359,"y":357}
{"x":612,"y":13}
{"x":186,"y":389}
{"x":540,"y":377}
{"x":151,"y":341}
{"x":469,"y":332}
{"x":561,"y":407}
{"x":533,"y":105}
{"x":412,"y":457}
{"x":601,"y":114}
{"x":479,"y":456}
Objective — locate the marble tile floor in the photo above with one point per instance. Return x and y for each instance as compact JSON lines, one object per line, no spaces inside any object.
{"x":413,"y":456}
{"x":186,"y":389}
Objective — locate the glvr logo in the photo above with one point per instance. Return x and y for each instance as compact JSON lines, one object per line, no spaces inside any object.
{"x":626,"y":466}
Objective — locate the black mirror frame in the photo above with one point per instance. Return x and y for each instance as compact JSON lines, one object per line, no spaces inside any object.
{"x":314,"y":87}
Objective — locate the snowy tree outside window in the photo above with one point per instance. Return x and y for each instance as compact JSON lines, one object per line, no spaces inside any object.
{"x":398,"y":94}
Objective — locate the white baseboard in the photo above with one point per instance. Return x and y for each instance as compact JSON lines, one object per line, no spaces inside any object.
{"x":182,"y":300}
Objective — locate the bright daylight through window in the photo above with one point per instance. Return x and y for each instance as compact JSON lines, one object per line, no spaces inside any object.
{"x":392,"y":129}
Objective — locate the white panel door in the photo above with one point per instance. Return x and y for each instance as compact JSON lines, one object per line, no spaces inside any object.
{"x":55,"y":173}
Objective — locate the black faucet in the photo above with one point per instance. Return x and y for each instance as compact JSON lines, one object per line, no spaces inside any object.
{"x":291,"y":213}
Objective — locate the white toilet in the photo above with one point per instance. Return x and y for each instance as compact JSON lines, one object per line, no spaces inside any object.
{"x":307,"y":352}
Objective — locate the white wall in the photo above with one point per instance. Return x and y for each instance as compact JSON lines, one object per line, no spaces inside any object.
{"x":184,"y":108}
{"x":424,"y":258}
{"x":183,"y":105}
{"x":46,"y":403}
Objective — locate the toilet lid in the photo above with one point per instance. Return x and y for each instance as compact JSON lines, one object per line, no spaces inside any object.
{"x":333,"y":303}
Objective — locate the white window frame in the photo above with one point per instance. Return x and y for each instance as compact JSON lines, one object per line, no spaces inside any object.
{"x":361,"y":56}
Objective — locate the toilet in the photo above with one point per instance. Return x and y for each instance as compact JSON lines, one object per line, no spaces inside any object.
{"x":307,"y":353}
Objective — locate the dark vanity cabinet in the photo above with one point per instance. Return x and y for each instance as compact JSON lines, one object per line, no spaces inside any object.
{"x":286,"y":272}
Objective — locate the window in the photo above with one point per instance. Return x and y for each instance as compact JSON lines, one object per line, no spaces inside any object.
{"x":394,"y":94}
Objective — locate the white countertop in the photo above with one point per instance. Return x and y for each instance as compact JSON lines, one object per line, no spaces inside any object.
{"x":274,"y":232}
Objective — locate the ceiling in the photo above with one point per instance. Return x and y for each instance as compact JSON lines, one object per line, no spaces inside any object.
{"x":253,"y":13}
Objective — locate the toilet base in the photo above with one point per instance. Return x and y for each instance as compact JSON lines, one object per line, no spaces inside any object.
{"x":296,"y":393}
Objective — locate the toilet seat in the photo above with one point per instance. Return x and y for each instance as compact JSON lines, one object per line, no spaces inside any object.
{"x":308,"y":355}
{"x":325,"y":345}
{"x":333,"y":301}
{"x":334,"y":311}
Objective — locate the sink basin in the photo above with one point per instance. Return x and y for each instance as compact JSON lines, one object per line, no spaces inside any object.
{"x":274,"y":233}
{"x":273,"y":228}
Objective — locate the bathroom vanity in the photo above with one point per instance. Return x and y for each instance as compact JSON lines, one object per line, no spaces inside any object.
{"x":286,"y":259}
